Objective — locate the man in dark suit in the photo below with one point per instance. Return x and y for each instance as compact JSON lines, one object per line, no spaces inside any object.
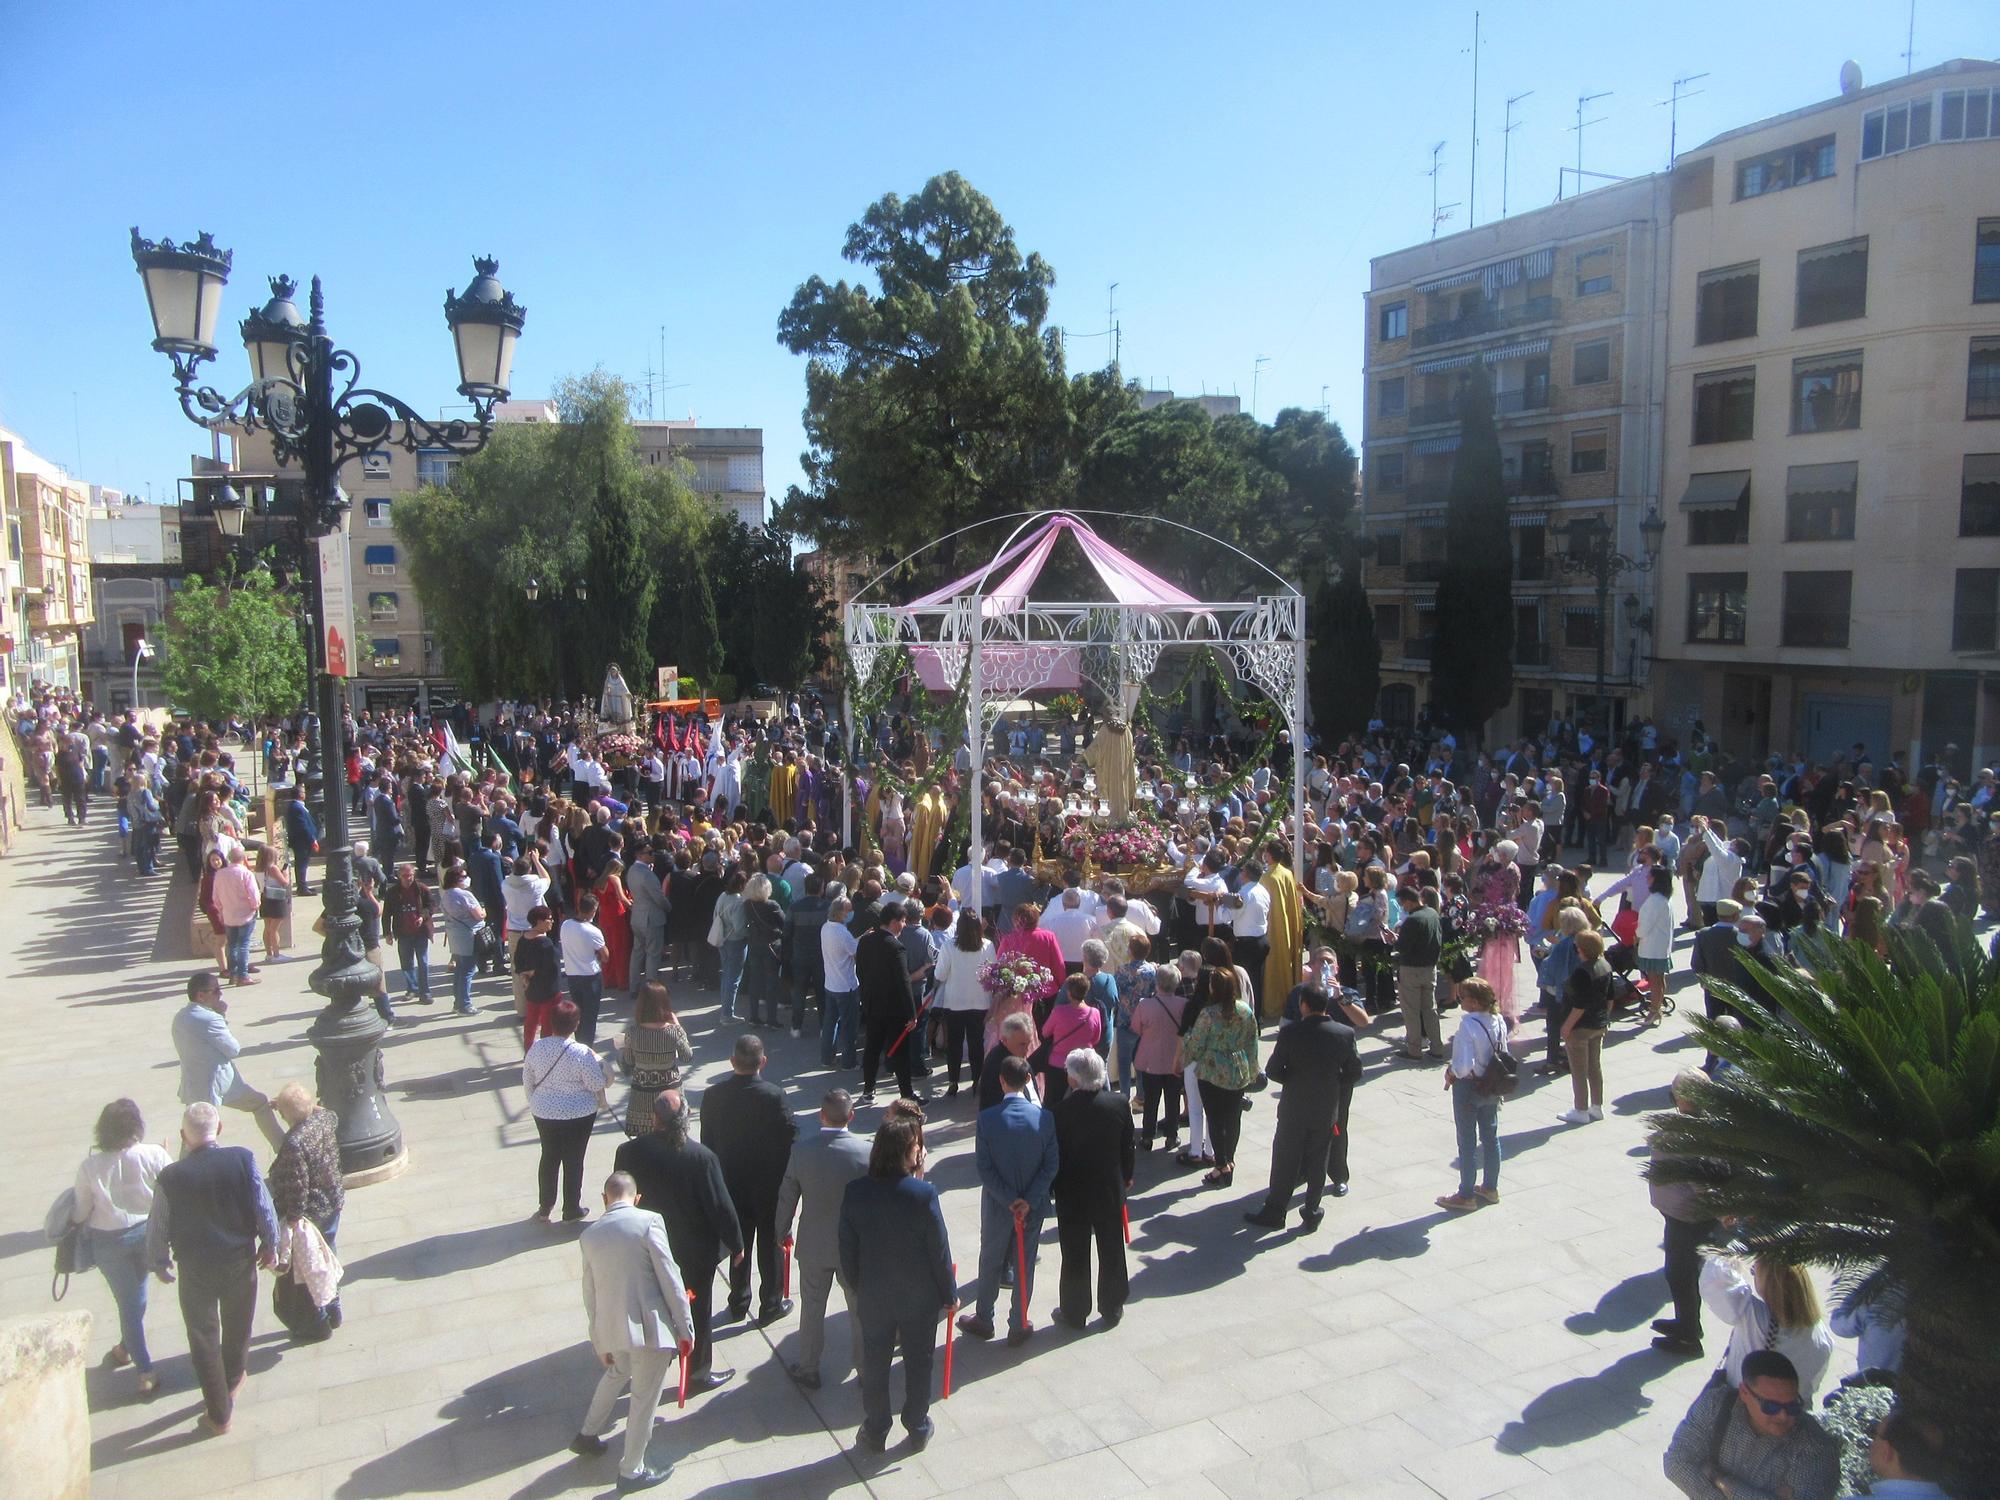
{"x":1316,"y":1061}
{"x":888,"y":1004}
{"x":1017,"y":1039}
{"x":1934,"y":920}
{"x":1015,"y":1150}
{"x":821,"y":1166}
{"x":746,"y":1123}
{"x":1095,"y":1160}
{"x":681,"y":1181}
{"x":896,"y":1255}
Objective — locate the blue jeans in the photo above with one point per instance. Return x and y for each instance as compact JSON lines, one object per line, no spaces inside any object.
{"x":996,"y":1248}
{"x":1127,"y":1041}
{"x":1477,"y":1117}
{"x":414,"y":954}
{"x":733,"y":950}
{"x":463,"y":967}
{"x":121,"y":1255}
{"x":238,"y":949}
{"x":839,"y":1026}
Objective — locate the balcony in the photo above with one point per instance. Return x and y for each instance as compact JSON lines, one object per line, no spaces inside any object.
{"x":1535,"y":486}
{"x":1528,"y":399}
{"x":1486,"y":320}
{"x":1417,"y":649}
{"x":1423,"y":570}
{"x":1531,"y":653}
{"x":1433,"y":413}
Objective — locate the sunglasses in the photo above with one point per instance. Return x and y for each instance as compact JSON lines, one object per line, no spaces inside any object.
{"x":1780,"y":1408}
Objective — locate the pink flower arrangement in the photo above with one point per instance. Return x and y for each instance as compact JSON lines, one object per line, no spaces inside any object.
{"x":1016,"y":978}
{"x":621,"y":746}
{"x":1495,"y":922}
{"x":1128,"y":846}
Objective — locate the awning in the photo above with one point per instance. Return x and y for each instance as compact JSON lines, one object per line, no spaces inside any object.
{"x":1728,"y":273}
{"x":1716,"y":491}
{"x":1982,"y":468}
{"x":1821,"y":479}
{"x":1830,"y":252}
{"x":1426,"y":520}
{"x":1529,"y":518}
{"x":1516,"y":351}
{"x":1437,"y":366}
{"x":1581,"y":611}
{"x":1437,"y":444}
{"x":387,"y":646}
{"x":1538,"y":265}
{"x":1457,"y":278}
{"x":382,"y":555}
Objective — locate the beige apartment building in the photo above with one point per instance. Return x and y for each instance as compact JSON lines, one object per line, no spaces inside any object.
{"x":1565,"y":308}
{"x":1831,"y":570}
{"x":48,"y":567}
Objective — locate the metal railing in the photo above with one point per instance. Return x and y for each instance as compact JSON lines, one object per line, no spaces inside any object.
{"x":1484,"y":320}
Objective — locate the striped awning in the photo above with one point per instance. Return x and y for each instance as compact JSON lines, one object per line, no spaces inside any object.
{"x":1426,"y":520}
{"x":1529,"y":518}
{"x":1455,"y":362}
{"x":1447,"y":444}
{"x":1539,"y":264}
{"x":1716,"y":491}
{"x":1516,"y":351}
{"x":1582,"y":611}
{"x":1531,"y":267}
{"x":1457,"y":278}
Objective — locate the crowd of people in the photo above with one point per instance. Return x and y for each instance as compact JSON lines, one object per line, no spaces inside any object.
{"x":1089,"y":1019}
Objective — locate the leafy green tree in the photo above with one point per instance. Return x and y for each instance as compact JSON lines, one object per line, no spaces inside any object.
{"x":685,"y":629}
{"x":1472,"y":656}
{"x":234,"y":647}
{"x":775,"y":617}
{"x":935,"y":399}
{"x":1344,"y":663}
{"x":1862,"y":1133}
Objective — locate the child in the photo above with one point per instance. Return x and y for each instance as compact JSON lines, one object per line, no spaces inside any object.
{"x":535,"y":959}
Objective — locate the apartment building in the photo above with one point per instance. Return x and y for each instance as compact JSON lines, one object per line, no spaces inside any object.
{"x":1831,"y":569}
{"x":727,"y":463}
{"x":1565,"y":308}
{"x":48,"y":555}
{"x":135,"y":564}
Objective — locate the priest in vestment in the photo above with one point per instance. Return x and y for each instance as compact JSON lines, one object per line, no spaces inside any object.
{"x":927,"y":822}
{"x":1287,"y":933}
{"x":784,"y":786}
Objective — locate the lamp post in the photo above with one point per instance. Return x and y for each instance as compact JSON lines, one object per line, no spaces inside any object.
{"x":142,"y":650}
{"x":305,"y":394}
{"x":1588,"y":553}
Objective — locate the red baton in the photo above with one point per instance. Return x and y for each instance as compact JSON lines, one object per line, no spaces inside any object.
{"x":687,"y":1348}
{"x":1021,"y":1264}
{"x":950,"y":1324}
{"x":1125,"y":1213}
{"x":787,"y":1247}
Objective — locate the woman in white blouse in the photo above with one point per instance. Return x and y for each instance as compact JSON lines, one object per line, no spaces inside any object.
{"x":961,"y":999}
{"x":114,"y":1199}
{"x":1768,"y":1306}
{"x":565,"y":1084}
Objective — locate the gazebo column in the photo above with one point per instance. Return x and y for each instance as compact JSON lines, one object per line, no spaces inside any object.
{"x":975,"y":736}
{"x":1298,"y":716}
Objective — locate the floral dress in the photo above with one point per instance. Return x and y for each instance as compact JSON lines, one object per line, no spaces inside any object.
{"x":1221,"y":1046}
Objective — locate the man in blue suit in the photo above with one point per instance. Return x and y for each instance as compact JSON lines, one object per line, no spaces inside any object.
{"x":1016,"y":1153}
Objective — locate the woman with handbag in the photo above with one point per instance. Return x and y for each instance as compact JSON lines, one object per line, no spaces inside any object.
{"x":305,"y":1183}
{"x":1480,"y":1073}
{"x":1073,"y":1022}
{"x":113,"y":1202}
{"x":565,"y":1085}
{"x":1221,"y":1047}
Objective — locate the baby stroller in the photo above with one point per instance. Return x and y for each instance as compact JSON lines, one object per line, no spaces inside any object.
{"x":1628,"y":986}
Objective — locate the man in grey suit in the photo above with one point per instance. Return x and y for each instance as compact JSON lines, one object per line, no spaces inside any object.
{"x":649,"y":916}
{"x":207,"y":1053}
{"x":816,"y":1180}
{"x":638,"y":1319}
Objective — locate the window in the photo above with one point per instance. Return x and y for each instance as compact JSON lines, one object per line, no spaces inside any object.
{"x":378,"y":559}
{"x":1580,"y":626}
{"x":1982,"y":380}
{"x":1826,"y":392}
{"x":1591,"y":363}
{"x":1531,"y":552}
{"x":1725,"y":406}
{"x":1716,"y":607}
{"x":1725,"y":304}
{"x":1395,"y":321}
{"x":1593,"y":271}
{"x":1718,"y":509}
{"x":436,"y":467}
{"x":382,"y":606}
{"x":377,"y":512}
{"x":1589,"y":452}
{"x":1897,"y":127}
{"x":1979,"y":496}
{"x":1389,"y":548}
{"x":1388,"y":470}
{"x":1794,"y":166}
{"x":1816,"y":606}
{"x":1392,"y":398}
{"x":1388,"y":622}
{"x":1819,"y":502}
{"x":385,"y":651}
{"x":1975,"y":610}
{"x":1833,"y":283}
{"x":375,"y":465}
{"x":1968,"y":114}
{"x":1527,"y":627}
{"x":1986,"y":262}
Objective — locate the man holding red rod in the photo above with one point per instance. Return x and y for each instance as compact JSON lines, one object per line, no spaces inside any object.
{"x":1015,"y":1149}
{"x":822,"y":1164}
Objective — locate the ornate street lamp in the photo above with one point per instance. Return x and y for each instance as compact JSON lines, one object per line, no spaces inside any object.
{"x":305,"y":394}
{"x":1588,"y":553}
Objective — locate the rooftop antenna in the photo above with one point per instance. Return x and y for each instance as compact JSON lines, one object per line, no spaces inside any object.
{"x":1111,"y":319}
{"x":1256,"y":379}
{"x":1910,"y":46}
{"x":1472,"y":184}
{"x":1581,"y":122}
{"x":1437,"y":151}
{"x":1325,"y":407}
{"x":1673,"y":107}
{"x":1506,"y":147}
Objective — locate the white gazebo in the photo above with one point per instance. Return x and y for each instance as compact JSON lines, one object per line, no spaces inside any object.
{"x":987,"y":631}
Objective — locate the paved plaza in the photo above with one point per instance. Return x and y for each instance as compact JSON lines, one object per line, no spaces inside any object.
{"x":1398,"y":1351}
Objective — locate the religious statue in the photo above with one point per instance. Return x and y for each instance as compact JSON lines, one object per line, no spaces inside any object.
{"x":614,"y":707}
{"x":1113,"y":759}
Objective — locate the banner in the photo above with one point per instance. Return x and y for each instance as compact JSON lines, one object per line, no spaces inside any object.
{"x":669,"y":684}
{"x":336,"y":596}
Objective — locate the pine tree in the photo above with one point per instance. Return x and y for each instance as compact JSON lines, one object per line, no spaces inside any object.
{"x":1472,"y":656}
{"x":1344,"y":665}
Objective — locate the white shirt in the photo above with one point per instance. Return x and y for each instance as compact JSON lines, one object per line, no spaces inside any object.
{"x":581,"y":944}
{"x":1253,"y":918}
{"x":958,"y":976}
{"x":1729,"y":1293}
{"x":1071,"y":925}
{"x":114,"y":1189}
{"x":522,"y":893}
{"x":795,"y":876}
{"x":836,"y":951}
{"x":1202,"y":884}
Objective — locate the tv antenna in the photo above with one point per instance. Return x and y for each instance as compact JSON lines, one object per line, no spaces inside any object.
{"x":1111,"y":319}
{"x":1672,"y":104}
{"x":1256,"y":379}
{"x":1582,"y":101}
{"x":1472,"y":182}
{"x":1507,"y":146}
{"x":1910,"y":45}
{"x":1439,"y":211}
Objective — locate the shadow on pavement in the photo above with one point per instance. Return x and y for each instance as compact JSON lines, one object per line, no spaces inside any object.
{"x":1625,"y":1306}
{"x":1389,"y":1242}
{"x":448,"y":1254}
{"x":1573,"y":1411}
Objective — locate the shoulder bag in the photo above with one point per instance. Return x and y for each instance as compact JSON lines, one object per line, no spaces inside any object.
{"x":1502,"y":1074}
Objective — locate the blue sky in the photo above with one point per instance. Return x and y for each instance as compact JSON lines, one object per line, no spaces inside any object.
{"x":1233,"y":168}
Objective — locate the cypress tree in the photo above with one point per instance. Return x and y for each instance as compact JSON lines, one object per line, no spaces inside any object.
{"x":1344,"y":665}
{"x":1472,"y":657}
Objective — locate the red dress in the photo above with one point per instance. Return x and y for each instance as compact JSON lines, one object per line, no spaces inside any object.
{"x":614,"y":920}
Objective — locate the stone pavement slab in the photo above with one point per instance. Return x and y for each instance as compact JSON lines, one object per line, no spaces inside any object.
{"x":1397,"y":1352}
